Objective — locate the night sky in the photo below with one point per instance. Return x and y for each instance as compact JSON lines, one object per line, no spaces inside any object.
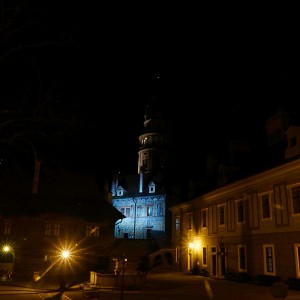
{"x":222,"y":71}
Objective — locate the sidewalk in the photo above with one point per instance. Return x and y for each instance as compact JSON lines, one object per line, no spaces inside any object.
{"x":47,"y":283}
{"x":169,"y":283}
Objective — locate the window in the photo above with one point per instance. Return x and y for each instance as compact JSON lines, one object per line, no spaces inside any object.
{"x":52,"y":229}
{"x":177,"y":223}
{"x":7,"y":228}
{"x":189,"y":221}
{"x":139,"y":211}
{"x":149,"y":209}
{"x":120,"y":191}
{"x":204,"y":256}
{"x":240,"y":211}
{"x":151,"y":187}
{"x":204,"y":218}
{"x":222,"y":215}
{"x":177,"y":254}
{"x":269,"y":259}
{"x":92,"y":230}
{"x":293,"y":141}
{"x":297,"y":259}
{"x":125,"y":211}
{"x":159,"y":209}
{"x":149,"y":233}
{"x":296,"y":200}
{"x":242,"y":258}
{"x":265,"y":206}
{"x":145,"y":159}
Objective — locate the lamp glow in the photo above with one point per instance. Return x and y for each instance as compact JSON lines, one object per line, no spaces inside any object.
{"x":65,"y":254}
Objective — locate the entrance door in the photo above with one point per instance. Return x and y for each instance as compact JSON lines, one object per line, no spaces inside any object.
{"x":213,"y":261}
{"x":149,"y":233}
{"x":222,"y":265}
{"x":190,"y":262}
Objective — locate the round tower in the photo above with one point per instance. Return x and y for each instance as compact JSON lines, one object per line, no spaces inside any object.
{"x":155,"y":142}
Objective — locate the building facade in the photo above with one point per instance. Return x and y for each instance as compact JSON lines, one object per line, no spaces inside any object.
{"x":141,"y":197}
{"x":248,"y":226}
{"x":68,"y":213}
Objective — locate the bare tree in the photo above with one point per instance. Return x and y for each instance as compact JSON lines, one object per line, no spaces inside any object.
{"x":39,"y":119}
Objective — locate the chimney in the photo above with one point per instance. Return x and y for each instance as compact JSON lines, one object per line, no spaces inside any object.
{"x":141,"y":180}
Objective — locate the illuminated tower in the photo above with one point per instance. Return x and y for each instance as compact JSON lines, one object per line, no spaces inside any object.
{"x":141,"y":197}
{"x":155,"y":142}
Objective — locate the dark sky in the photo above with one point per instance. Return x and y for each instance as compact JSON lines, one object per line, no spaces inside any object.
{"x":220,"y":68}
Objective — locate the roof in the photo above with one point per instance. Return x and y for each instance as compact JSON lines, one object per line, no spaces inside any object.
{"x":130,"y":183}
{"x":62,"y":192}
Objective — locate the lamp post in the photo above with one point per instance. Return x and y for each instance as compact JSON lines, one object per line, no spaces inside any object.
{"x":8,"y":258}
{"x":134,"y":222}
{"x":65,"y":254}
{"x":122,"y":278}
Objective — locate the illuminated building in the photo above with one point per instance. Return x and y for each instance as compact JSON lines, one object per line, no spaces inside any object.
{"x":247,"y":229}
{"x":141,"y":198}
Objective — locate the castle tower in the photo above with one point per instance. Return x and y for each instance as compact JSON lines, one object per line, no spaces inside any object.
{"x":141,"y":197}
{"x":155,"y":141}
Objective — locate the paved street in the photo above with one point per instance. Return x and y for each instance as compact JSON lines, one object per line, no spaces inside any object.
{"x":164,"y":286}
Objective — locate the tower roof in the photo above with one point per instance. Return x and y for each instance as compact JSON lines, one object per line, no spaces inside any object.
{"x":153,"y":109}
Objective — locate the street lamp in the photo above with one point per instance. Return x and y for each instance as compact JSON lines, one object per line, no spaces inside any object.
{"x":65,"y":255}
{"x":134,"y":225}
{"x":6,"y":248}
{"x":123,"y":271}
{"x":7,"y":258}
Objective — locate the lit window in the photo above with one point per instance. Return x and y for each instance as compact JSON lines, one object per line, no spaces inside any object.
{"x":151,"y":188}
{"x":269,"y":259}
{"x":92,"y":230}
{"x":177,"y":223}
{"x":120,"y":191}
{"x":149,"y":209}
{"x":52,"y":229}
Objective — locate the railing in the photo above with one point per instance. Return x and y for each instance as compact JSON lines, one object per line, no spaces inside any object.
{"x":114,"y":281}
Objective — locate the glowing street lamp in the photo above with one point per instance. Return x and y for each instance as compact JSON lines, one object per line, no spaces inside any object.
{"x":6,"y":249}
{"x":7,"y":253}
{"x":65,"y":254}
{"x":191,"y":245}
